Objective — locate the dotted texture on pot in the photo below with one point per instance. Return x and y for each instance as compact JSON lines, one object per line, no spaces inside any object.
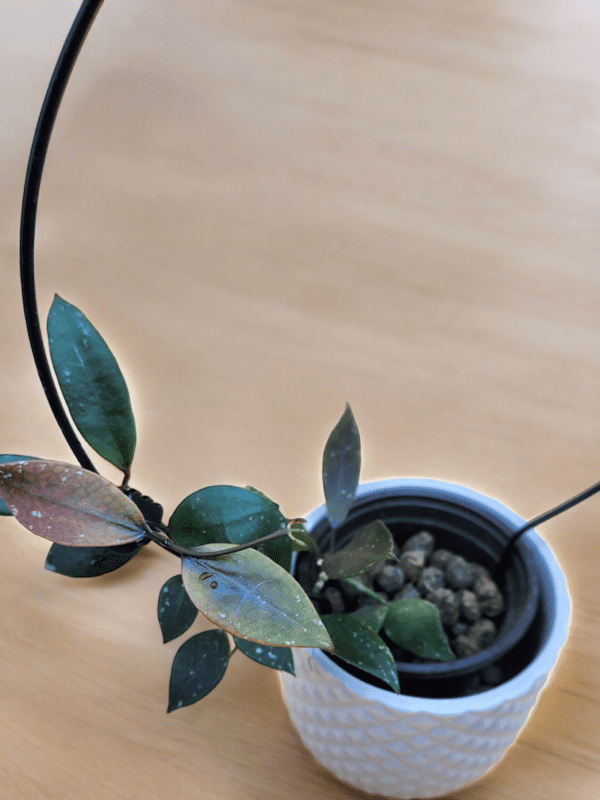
{"x":391,"y":752}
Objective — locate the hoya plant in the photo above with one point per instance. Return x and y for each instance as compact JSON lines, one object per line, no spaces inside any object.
{"x":233,"y":543}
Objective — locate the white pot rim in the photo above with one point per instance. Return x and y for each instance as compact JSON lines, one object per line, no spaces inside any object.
{"x":553,"y":586}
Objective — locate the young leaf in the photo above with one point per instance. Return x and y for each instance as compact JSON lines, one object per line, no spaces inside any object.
{"x":224,"y":514}
{"x":360,"y":646}
{"x":198,"y":666}
{"x":341,"y":468}
{"x":89,"y":562}
{"x":6,"y":457}
{"x":371,"y":616}
{"x":370,"y":545}
{"x":250,"y":596}
{"x":69,"y":505}
{"x":415,"y":624}
{"x":176,"y":612}
{"x":274,"y":657}
{"x":92,"y":384}
{"x":301,"y":538}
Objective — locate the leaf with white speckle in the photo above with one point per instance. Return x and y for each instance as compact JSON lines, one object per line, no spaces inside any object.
{"x":254,"y":598}
{"x":341,"y":468}
{"x":92,"y":384}
{"x":360,"y":646}
{"x":198,"y":666}
{"x":224,"y":514}
{"x":370,"y":545}
{"x":176,"y":612}
{"x":4,"y":458}
{"x":371,"y":616}
{"x":69,"y":505}
{"x":275,"y":657}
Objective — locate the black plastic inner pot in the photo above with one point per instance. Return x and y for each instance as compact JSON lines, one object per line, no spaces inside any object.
{"x":469,"y":533}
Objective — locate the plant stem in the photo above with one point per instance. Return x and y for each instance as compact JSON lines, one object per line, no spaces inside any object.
{"x":35,"y":167}
{"x":168,"y":544}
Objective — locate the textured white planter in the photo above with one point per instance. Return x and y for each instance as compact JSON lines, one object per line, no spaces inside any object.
{"x":411,"y":747}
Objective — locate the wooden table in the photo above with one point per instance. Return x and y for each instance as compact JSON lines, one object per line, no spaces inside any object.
{"x":268,"y":209}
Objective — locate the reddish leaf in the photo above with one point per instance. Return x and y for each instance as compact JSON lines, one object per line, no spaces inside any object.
{"x":69,"y":505}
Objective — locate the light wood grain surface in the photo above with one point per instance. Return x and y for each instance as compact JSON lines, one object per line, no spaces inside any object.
{"x":270,"y":208}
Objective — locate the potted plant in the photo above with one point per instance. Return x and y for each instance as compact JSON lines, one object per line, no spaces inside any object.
{"x":434,"y":728}
{"x":453,"y":718}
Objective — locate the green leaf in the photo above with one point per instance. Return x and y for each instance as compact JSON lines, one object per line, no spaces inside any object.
{"x":224,"y":514}
{"x":275,"y":657}
{"x":360,"y":587}
{"x":89,"y":562}
{"x":360,"y":646}
{"x":371,"y":616}
{"x":198,"y":666}
{"x":92,"y":384}
{"x":176,"y":612}
{"x":6,"y":457}
{"x":415,"y":624}
{"x":278,"y":550}
{"x":69,"y":505}
{"x":250,"y":596}
{"x":341,"y":468}
{"x":370,"y":545}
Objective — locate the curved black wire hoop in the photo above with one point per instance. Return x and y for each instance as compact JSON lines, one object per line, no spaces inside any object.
{"x":33,"y":179}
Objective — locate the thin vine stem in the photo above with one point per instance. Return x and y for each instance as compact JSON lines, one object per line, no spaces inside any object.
{"x":168,"y":544}
{"x":33,"y":179}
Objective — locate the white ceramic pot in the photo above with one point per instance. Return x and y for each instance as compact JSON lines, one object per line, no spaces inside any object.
{"x":412,"y":747}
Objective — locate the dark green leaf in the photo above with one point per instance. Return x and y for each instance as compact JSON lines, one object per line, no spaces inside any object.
{"x":250,"y":596}
{"x":371,"y":616}
{"x":224,"y":514}
{"x":415,"y":624}
{"x":341,"y":468}
{"x":176,"y":612}
{"x":6,"y":457}
{"x":370,"y":545}
{"x":360,"y":646}
{"x":89,"y":562}
{"x":198,"y":666}
{"x":69,"y":505}
{"x":274,"y":657}
{"x":92,"y":384}
{"x":279,"y":550}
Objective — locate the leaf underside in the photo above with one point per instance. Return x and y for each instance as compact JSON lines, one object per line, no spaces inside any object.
{"x":92,"y":384}
{"x":250,"y":596}
{"x":341,"y":468}
{"x":198,"y":666}
{"x":360,"y":646}
{"x":69,"y":505}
